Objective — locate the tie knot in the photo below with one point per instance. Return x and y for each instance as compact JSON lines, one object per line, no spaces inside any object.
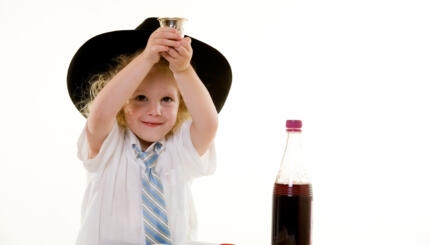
{"x":149,"y":156}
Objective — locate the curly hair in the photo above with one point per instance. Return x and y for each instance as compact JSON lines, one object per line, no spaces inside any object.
{"x":98,"y":82}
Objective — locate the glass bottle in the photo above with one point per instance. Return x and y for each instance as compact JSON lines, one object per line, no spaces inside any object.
{"x":292,"y":193}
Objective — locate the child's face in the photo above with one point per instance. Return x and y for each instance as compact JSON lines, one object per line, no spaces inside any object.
{"x":152,"y":110}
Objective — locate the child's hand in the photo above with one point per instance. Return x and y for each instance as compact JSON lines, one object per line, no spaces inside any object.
{"x":161,"y":40}
{"x":179,"y":57}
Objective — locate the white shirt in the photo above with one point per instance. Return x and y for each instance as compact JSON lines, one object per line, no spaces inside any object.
{"x":111,"y":209}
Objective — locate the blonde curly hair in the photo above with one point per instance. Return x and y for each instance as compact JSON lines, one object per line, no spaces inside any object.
{"x":100,"y":80}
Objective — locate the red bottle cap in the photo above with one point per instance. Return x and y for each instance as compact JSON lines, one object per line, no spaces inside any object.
{"x":294,"y":125}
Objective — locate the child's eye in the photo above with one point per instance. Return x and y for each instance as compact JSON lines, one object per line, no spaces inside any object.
{"x":167,"y":99}
{"x":140,"y":98}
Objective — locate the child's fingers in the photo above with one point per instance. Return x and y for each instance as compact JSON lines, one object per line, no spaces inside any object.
{"x":165,"y":37}
{"x":184,"y":49}
{"x":171,"y":55}
{"x":167,"y":33}
{"x":185,"y":52}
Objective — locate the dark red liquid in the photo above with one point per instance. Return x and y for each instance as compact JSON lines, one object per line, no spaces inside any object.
{"x":291,"y":217}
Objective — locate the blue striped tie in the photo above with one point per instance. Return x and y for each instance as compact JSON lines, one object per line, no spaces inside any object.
{"x":154,"y":207}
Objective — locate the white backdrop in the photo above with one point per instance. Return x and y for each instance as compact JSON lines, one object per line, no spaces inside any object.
{"x":356,"y":73}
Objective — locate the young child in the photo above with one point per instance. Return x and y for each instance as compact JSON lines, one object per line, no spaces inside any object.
{"x":147,"y":94}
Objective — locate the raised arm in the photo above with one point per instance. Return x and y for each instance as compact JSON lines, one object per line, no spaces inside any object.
{"x":119,"y":89}
{"x":196,"y":96}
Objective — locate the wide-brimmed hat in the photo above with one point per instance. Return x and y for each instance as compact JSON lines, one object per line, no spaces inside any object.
{"x":98,"y":55}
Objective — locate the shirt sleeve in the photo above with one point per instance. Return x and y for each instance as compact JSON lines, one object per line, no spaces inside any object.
{"x":193,"y":164}
{"x":106,"y":152}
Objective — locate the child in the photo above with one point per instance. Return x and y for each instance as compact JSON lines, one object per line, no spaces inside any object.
{"x":147,"y":93}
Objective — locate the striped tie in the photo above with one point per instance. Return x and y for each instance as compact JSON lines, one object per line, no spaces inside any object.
{"x":154,"y":206}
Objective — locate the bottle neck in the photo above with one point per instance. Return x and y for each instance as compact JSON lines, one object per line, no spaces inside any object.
{"x":293,"y":169}
{"x":294,"y":141}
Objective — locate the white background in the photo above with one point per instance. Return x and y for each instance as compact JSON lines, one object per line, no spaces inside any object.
{"x":356,"y":72}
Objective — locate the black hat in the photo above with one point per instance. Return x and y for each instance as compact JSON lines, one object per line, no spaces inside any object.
{"x":98,"y":55}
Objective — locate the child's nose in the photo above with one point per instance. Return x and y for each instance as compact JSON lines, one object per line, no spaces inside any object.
{"x":155,"y":109}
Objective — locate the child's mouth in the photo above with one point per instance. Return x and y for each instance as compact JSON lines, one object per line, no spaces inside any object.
{"x":152,"y":124}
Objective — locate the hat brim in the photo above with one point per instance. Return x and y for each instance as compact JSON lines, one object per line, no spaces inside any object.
{"x":98,"y":55}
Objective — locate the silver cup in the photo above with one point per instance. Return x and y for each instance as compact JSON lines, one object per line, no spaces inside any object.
{"x":173,"y":22}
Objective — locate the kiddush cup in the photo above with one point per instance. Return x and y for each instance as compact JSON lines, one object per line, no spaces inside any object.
{"x":173,"y":22}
